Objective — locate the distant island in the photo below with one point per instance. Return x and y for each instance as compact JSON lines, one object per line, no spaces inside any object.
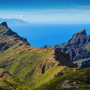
{"x":14,"y":21}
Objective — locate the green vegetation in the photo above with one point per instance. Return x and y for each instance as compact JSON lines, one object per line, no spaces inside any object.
{"x":80,"y":31}
{"x":28,"y":65}
{"x":80,"y":77}
{"x":23,"y":67}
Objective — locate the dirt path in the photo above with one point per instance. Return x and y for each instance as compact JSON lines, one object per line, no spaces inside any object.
{"x":65,"y":84}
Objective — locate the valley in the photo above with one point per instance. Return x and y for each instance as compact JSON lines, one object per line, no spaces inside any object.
{"x":23,"y":67}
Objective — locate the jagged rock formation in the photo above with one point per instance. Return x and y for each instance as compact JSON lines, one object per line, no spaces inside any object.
{"x":32,"y":64}
{"x":64,"y":62}
{"x":78,"y":47}
{"x":23,"y":67}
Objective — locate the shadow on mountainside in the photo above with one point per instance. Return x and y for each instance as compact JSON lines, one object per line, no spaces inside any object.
{"x":63,"y":58}
{"x":86,"y":64}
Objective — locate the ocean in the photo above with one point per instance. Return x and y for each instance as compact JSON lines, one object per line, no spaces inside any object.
{"x":48,"y":34}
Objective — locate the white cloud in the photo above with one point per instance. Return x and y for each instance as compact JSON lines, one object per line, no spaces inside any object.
{"x":58,"y":11}
{"x":80,"y":6}
{"x":20,"y":16}
{"x":86,"y":6}
{"x":16,"y":16}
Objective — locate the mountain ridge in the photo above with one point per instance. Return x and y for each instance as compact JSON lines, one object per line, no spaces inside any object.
{"x":79,"y":33}
{"x":23,"y":67}
{"x":77,"y":48}
{"x":33,"y":65}
{"x":8,"y":37}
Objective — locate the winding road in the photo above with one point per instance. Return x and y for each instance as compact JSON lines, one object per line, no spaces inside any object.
{"x":65,"y":84}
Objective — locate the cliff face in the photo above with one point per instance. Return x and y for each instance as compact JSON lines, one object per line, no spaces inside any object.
{"x":78,"y":48}
{"x":80,"y":33}
{"x":33,"y":64}
{"x":8,"y":37}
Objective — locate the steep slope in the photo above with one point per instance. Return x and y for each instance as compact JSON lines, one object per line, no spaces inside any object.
{"x":23,"y":67}
{"x":78,"y":47}
{"x":9,"y":82}
{"x":78,"y":80}
{"x":9,"y":38}
{"x":34,"y":65}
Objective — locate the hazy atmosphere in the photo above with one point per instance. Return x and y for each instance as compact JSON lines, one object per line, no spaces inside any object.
{"x":52,"y":17}
{"x":45,"y":45}
{"x":47,"y":11}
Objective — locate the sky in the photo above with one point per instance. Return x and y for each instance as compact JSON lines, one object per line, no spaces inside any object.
{"x":47,"y":11}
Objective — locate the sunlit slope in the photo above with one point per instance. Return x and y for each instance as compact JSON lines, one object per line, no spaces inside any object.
{"x":34,"y":65}
{"x":78,"y":48}
{"x":69,"y":80}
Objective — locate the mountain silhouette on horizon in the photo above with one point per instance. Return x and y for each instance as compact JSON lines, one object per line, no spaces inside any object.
{"x":14,"y":21}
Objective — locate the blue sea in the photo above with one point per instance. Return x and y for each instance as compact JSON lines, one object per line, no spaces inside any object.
{"x":48,"y":34}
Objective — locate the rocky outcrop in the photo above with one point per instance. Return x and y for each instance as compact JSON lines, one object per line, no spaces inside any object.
{"x":80,"y":33}
{"x":64,"y":61}
{"x":4,"y":24}
{"x":78,"y":48}
{"x":31,"y":64}
{"x":8,"y":37}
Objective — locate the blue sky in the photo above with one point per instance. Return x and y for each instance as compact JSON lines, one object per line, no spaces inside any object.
{"x":47,"y":11}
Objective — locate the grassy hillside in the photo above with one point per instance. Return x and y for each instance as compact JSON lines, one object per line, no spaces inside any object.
{"x":23,"y":67}
{"x":9,"y":82}
{"x":32,"y":64}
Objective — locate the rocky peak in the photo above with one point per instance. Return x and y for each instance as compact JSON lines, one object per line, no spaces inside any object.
{"x":80,"y":33}
{"x":58,"y":52}
{"x":9,"y":38}
{"x":45,"y":46}
{"x":64,"y":61}
{"x":4,"y":24}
